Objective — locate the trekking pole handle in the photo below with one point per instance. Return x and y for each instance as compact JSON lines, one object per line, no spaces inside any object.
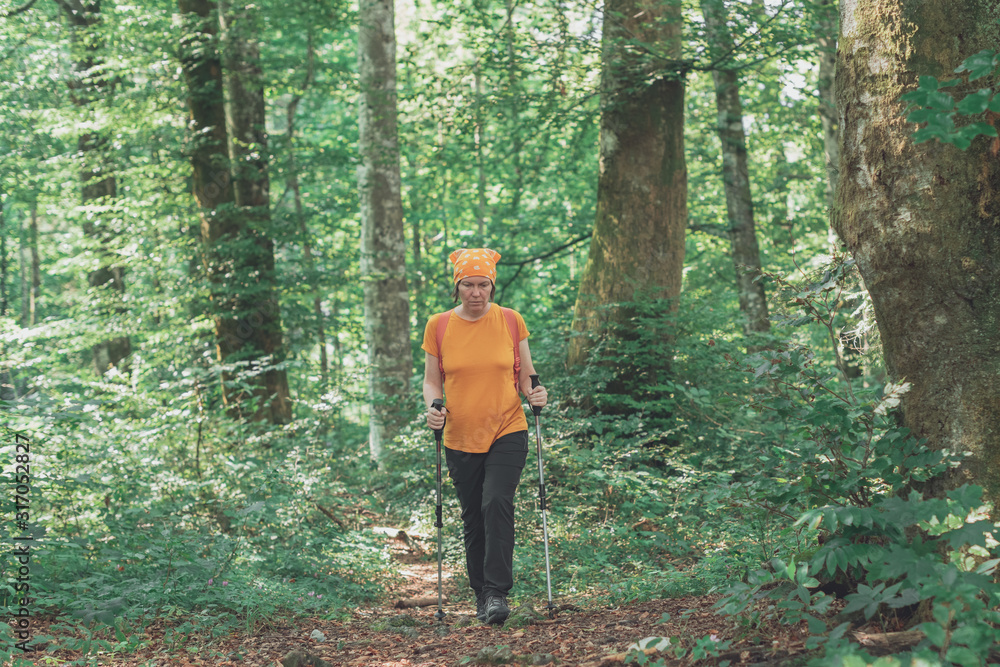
{"x":437,"y":404}
{"x":537,"y":409}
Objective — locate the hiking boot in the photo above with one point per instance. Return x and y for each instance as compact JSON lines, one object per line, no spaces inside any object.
{"x":481,"y":609}
{"x":497,"y":610}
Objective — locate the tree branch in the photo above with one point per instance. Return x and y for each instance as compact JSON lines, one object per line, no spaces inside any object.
{"x":713,"y":230}
{"x":520,"y":265}
{"x":20,"y":10}
{"x":555,"y":250}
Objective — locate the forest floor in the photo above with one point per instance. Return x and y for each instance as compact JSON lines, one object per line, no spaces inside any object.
{"x":584,"y":633}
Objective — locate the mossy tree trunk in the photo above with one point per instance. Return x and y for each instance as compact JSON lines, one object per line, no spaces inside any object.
{"x":923,"y":223}
{"x":383,"y":244}
{"x":638,"y":240}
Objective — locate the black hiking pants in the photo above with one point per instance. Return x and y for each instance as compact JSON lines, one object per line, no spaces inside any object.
{"x":486,"y":484}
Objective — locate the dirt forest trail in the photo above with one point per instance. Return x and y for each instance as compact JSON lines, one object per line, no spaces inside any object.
{"x":585,"y":634}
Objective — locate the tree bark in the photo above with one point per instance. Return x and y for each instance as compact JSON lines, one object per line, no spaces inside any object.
{"x":921,"y":222}
{"x":826,"y":39}
{"x":736,"y":176}
{"x":383,"y":245}
{"x":638,"y":239}
{"x":3,"y":260}
{"x":293,"y":184}
{"x":98,"y":185}
{"x":514,"y":118}
{"x":7,"y":392}
{"x":35,"y":285}
{"x":238,"y":255}
{"x":261,"y":346}
{"x":479,"y":137}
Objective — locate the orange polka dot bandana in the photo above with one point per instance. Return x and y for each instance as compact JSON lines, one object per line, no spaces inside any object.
{"x":475,"y":262}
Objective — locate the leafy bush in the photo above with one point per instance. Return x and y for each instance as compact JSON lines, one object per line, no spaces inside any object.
{"x":846,"y":477}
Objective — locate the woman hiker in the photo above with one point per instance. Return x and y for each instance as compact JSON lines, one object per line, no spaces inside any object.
{"x":470,"y":357}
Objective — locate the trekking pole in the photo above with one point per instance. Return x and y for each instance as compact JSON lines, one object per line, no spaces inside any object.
{"x":537,"y":410}
{"x":437,"y":404}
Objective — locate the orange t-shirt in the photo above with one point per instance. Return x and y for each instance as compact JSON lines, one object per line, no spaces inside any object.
{"x":482,"y":402}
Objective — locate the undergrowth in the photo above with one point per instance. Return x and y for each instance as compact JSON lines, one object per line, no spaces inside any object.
{"x":676,"y":463}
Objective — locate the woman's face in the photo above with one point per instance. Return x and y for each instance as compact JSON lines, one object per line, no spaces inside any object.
{"x":474,"y":292}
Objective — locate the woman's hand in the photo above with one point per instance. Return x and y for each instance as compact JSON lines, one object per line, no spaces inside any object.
{"x":538,"y":396}
{"x":435,"y":418}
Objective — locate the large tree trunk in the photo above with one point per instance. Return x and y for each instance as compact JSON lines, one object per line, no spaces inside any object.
{"x":921,"y":221}
{"x":383,"y":246}
{"x":261,"y":346}
{"x":237,"y":254}
{"x":736,"y":176}
{"x":641,"y":216}
{"x":98,"y":187}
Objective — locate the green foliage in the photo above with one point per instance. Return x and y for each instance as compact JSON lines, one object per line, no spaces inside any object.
{"x":934,"y":105}
{"x":849,"y":477}
{"x":675,"y":463}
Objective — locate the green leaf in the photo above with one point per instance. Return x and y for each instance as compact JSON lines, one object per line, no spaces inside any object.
{"x":816,"y":626}
{"x":941,"y":614}
{"x":935,"y":633}
{"x":988,"y":567}
{"x":975,"y":103}
{"x":978,"y":65}
{"x":831,"y":563}
{"x":964,"y":656}
{"x":842,"y":561}
{"x":940,"y":100}
{"x":970,"y":534}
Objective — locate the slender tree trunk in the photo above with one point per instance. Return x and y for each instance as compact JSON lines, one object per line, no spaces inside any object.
{"x":849,"y":356}
{"x":238,"y":254}
{"x":736,"y":176}
{"x":89,"y":86}
{"x":641,"y":213}
{"x":3,"y":259}
{"x":827,"y":41}
{"x":293,"y":184}
{"x":480,"y":138}
{"x":24,"y":262}
{"x":514,"y":119}
{"x":383,"y":244}
{"x":35,"y":291}
{"x":416,"y":214}
{"x":7,"y":392}
{"x":921,"y":222}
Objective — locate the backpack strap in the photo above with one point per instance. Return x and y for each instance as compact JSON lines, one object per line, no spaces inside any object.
{"x":508,"y":315}
{"x":511,"y":319}
{"x":441,"y":326}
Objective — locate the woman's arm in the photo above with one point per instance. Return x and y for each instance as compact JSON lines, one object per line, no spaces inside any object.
{"x":433,"y":389}
{"x":537,"y":396}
